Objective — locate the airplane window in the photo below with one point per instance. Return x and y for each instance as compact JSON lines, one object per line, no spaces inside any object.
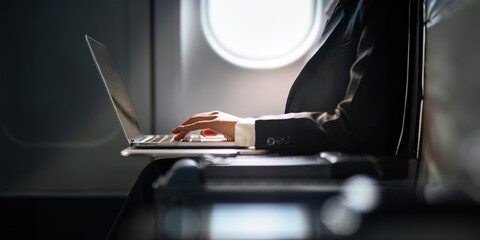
{"x":261,"y":33}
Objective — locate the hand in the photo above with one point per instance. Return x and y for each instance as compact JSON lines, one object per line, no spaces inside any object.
{"x":218,"y":122}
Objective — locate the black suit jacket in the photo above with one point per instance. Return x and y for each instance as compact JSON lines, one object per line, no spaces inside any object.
{"x":350,"y":95}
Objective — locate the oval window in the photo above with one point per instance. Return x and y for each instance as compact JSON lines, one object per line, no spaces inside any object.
{"x":261,"y":33}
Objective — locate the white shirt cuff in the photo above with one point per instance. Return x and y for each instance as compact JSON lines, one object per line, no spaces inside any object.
{"x":245,"y":132}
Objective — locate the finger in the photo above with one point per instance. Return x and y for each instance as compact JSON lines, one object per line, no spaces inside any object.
{"x":201,"y":117}
{"x":197,"y":125}
{"x":191,"y":121}
{"x":198,"y":118}
{"x":205,"y":114}
{"x":209,"y":132}
{"x":181,"y":135}
{"x":176,"y":131}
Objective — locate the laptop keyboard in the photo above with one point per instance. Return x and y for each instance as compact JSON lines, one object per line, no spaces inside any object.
{"x":170,"y":138}
{"x":191,"y":137}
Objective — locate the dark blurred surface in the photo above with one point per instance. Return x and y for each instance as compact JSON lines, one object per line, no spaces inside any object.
{"x":401,"y":215}
{"x":58,"y":217}
{"x":58,"y":130}
{"x":422,"y":221}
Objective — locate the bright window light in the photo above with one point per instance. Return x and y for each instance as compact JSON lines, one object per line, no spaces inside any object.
{"x":258,"y":221}
{"x":261,"y":33}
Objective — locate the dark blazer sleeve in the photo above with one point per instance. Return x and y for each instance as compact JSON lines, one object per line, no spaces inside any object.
{"x":368,"y":119}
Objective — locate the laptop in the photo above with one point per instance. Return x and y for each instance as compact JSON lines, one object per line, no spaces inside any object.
{"x":126,"y":115}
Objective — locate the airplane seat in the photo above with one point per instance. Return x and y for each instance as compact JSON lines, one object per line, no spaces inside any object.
{"x":452,"y":116}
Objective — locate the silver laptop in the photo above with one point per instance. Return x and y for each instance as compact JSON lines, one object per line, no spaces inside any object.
{"x":126,"y":115}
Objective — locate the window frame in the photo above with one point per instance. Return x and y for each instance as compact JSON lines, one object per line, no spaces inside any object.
{"x":301,"y":50}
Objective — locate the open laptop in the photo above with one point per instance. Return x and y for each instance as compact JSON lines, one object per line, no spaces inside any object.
{"x":126,"y":115}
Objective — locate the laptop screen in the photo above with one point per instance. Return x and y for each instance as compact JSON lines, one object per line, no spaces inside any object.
{"x":115,"y":88}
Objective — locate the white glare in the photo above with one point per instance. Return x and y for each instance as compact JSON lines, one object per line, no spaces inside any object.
{"x":338,"y":218}
{"x":361,"y":193}
{"x":258,"y":221}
